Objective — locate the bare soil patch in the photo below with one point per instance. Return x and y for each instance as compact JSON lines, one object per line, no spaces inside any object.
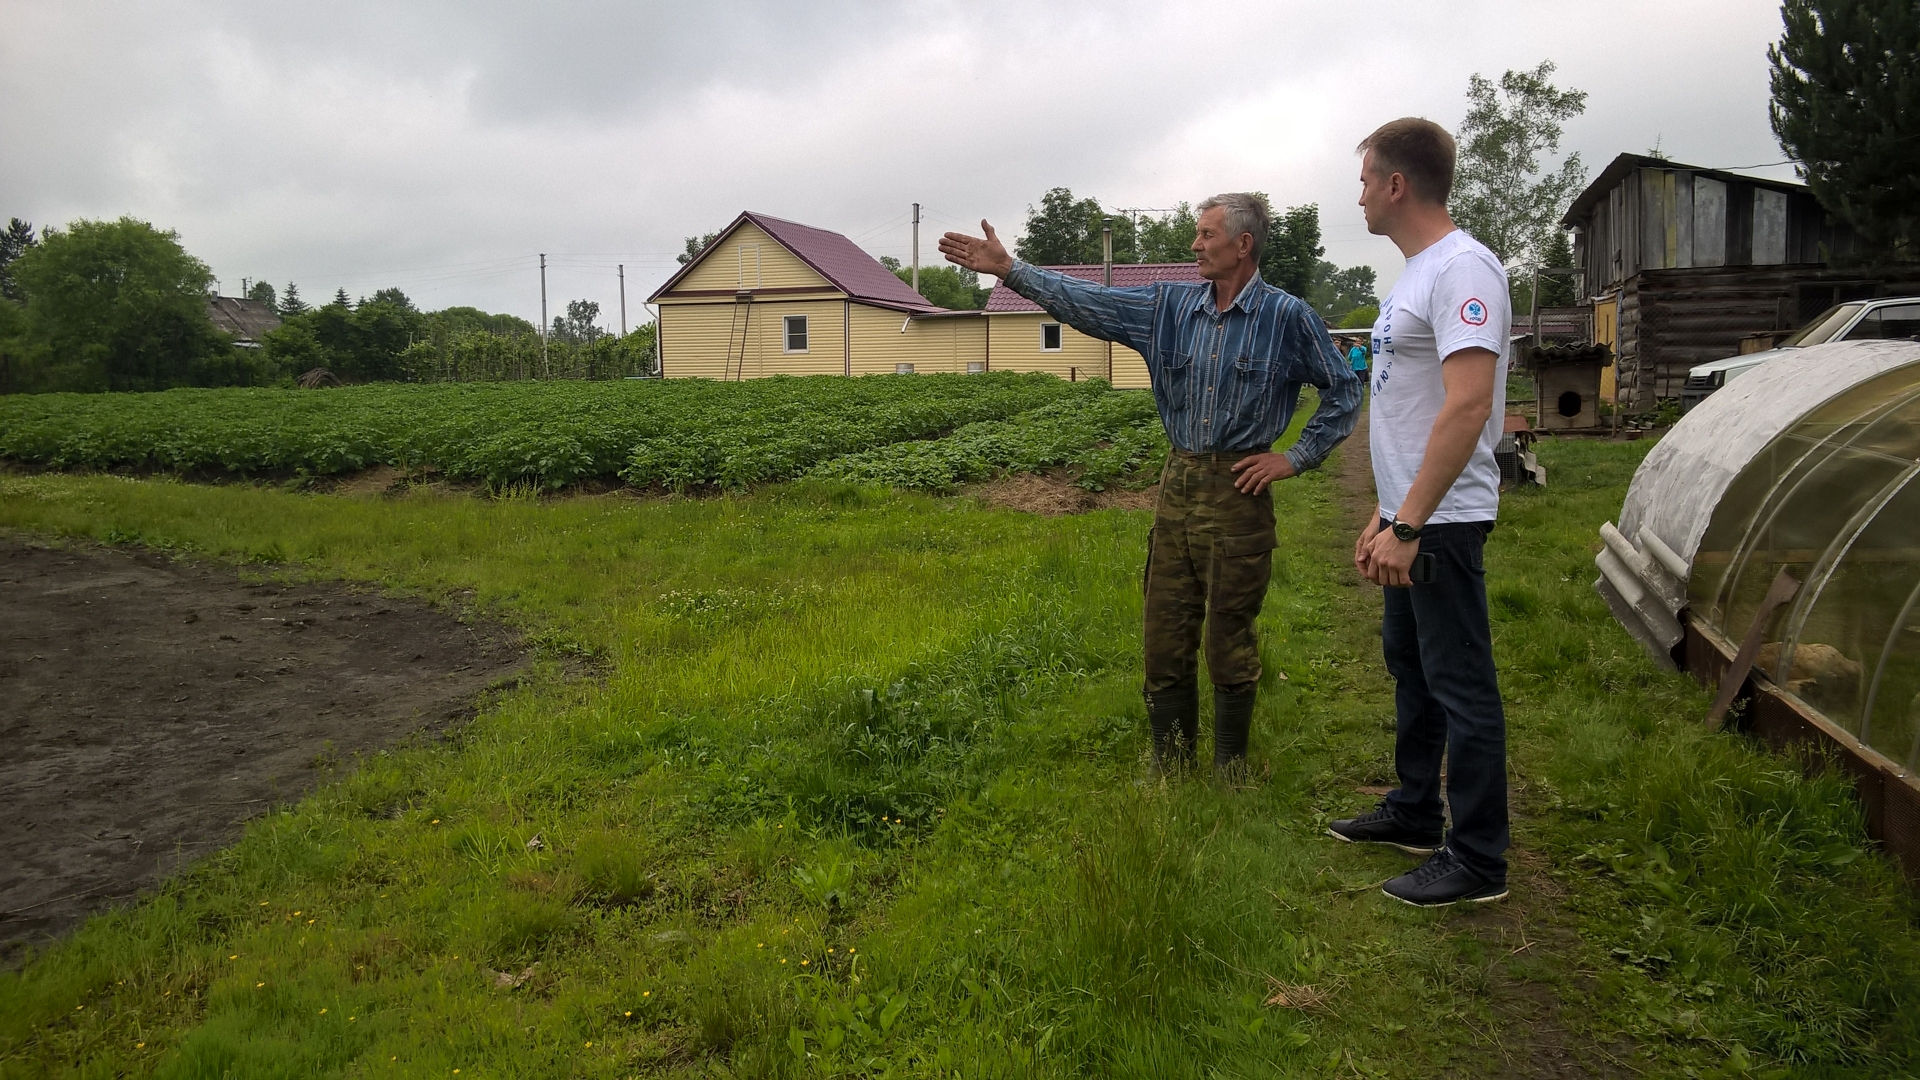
{"x":1052,"y":493}
{"x":149,"y":707}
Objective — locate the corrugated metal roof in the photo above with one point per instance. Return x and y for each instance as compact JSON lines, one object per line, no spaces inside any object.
{"x":1125,"y":275}
{"x":841,"y":261}
{"x":832,"y":256}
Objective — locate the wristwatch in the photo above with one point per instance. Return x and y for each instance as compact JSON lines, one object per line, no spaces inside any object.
{"x":1405,"y":532}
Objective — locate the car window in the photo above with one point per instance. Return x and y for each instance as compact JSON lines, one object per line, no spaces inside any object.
{"x":1821,"y":330}
{"x":1868,"y":328}
{"x":1900,"y":321}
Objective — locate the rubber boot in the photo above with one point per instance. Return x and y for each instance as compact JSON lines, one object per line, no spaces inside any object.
{"x":1232,"y":719}
{"x":1174,"y":718}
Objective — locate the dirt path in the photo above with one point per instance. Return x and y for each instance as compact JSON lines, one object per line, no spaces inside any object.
{"x":1526,"y":939}
{"x":149,"y":707}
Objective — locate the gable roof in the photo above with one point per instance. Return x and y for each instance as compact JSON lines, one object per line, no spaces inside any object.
{"x":1619,"y":167}
{"x":245,"y":320}
{"x":1125,"y":275}
{"x":830,"y":254}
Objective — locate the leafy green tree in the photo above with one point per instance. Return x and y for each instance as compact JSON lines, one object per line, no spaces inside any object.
{"x":15,"y":371}
{"x":460,"y":320}
{"x":1064,"y":231}
{"x":580,"y":325}
{"x":1846,"y":104}
{"x":1360,"y":318}
{"x":395,"y":297}
{"x":14,"y":242}
{"x":1336,"y":292}
{"x":696,"y":245}
{"x":120,"y":305}
{"x":952,"y":287}
{"x":1500,"y":195}
{"x":290,"y":302}
{"x":1292,"y":254}
{"x":263,"y":292}
{"x":361,"y":342}
{"x":1168,"y":238}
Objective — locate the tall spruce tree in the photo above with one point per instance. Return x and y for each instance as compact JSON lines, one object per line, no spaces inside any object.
{"x":15,"y":240}
{"x":290,"y":302}
{"x":1846,"y":104}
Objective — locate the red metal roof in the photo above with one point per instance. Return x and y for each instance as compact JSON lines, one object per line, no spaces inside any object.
{"x":1125,"y":275}
{"x":833,"y":256}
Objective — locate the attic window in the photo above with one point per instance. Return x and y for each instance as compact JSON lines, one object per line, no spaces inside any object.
{"x":796,"y":333}
{"x":1049,"y":337}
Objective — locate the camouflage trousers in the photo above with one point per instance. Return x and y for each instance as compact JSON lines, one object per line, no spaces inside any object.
{"x":1209,"y":559}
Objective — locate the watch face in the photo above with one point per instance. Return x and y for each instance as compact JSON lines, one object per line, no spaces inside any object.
{"x":1405,"y":531}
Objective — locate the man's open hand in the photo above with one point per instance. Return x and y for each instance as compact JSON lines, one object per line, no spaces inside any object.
{"x":987,"y":256}
{"x":1259,"y":470}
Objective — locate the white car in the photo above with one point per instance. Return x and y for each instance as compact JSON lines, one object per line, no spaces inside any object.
{"x":1857,"y":320}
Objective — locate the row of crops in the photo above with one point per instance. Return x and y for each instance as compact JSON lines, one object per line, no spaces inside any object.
{"x":928,"y":432}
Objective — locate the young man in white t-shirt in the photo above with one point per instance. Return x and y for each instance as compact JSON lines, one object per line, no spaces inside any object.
{"x":1440,"y":357}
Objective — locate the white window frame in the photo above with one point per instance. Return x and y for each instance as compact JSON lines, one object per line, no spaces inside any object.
{"x":1059,"y":336}
{"x":786,"y":335}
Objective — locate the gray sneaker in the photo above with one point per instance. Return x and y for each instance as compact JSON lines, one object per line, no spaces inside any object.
{"x":1379,"y":826}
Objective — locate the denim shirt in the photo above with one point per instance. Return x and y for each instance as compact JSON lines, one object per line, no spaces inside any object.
{"x":1223,"y":381}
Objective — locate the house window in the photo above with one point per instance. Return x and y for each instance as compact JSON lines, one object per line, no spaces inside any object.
{"x":796,"y":333}
{"x":1049,"y":337}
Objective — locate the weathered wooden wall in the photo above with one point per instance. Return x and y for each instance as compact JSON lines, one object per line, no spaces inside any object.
{"x":1678,"y":218}
{"x":1672,"y":319}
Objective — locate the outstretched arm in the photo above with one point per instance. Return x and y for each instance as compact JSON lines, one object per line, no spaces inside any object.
{"x":1098,"y":311}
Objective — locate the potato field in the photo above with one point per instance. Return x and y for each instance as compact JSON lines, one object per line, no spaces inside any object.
{"x":927,"y":432}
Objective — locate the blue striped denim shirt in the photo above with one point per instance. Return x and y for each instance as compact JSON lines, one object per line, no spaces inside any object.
{"x":1223,"y":381}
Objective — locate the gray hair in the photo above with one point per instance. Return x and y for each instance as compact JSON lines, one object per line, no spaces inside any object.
{"x":1246,"y":212}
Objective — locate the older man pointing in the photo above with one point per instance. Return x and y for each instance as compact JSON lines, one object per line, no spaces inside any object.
{"x":1227,"y":358}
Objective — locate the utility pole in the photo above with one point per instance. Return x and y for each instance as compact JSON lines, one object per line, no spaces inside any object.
{"x":1106,"y":276}
{"x":544,"y":365}
{"x":623,"y":299}
{"x":916,"y":247}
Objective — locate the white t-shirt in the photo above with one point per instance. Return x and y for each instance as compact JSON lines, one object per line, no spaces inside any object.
{"x":1451,"y":296}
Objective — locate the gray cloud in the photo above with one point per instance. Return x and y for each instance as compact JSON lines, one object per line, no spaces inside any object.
{"x":441,"y":146}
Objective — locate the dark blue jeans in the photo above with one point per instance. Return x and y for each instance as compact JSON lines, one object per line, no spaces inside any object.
{"x":1439,"y":650}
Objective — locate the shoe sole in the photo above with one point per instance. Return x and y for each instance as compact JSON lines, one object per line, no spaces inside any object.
{"x":1408,"y":848}
{"x":1501,"y":895}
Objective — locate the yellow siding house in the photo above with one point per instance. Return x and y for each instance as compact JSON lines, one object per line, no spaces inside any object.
{"x":1023,"y":337}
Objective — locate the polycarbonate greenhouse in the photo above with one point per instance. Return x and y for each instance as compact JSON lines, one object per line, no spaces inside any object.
{"x":1809,"y":464}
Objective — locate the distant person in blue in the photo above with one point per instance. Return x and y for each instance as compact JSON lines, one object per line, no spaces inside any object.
{"x":1357,"y":357}
{"x":1227,"y":356}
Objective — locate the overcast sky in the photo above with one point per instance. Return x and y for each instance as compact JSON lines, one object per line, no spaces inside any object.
{"x":439,"y":146}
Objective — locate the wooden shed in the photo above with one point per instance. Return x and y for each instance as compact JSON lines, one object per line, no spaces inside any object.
{"x":1682,"y":263}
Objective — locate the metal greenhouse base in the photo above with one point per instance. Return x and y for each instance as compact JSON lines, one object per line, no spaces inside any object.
{"x":1889,"y":794}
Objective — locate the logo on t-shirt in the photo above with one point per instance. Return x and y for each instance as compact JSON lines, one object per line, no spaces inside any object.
{"x":1473,"y":312}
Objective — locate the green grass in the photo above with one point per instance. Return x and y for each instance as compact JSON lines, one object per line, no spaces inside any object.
{"x":893,"y":741}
